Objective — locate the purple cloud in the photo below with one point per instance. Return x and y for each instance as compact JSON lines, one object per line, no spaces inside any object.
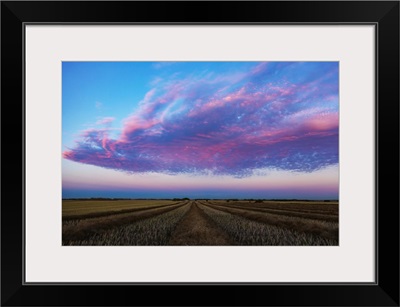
{"x":276,"y":115}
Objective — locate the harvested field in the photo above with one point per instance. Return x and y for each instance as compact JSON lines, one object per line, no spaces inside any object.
{"x":201,"y":223}
{"x":318,"y":225}
{"x":320,"y":215}
{"x":197,"y":229}
{"x":81,"y":229}
{"x":82,"y":208}
{"x":326,"y":208}
{"x":155,"y":230}
{"x":249,"y":232}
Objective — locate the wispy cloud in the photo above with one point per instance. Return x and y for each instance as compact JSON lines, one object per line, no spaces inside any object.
{"x":276,"y":115}
{"x":105,"y":121}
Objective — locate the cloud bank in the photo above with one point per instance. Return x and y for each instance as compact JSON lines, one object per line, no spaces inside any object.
{"x":276,"y":115}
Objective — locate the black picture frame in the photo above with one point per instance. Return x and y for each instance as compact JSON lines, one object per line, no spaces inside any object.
{"x":383,"y":14}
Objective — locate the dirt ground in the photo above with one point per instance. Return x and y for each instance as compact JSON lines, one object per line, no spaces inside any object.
{"x":197,"y":229}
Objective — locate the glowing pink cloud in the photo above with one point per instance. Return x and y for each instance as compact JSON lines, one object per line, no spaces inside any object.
{"x":277,"y":115}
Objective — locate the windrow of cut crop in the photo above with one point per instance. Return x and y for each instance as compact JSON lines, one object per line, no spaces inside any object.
{"x":328,"y":230}
{"x":77,"y":230}
{"x":305,"y":206}
{"x":114,"y":212}
{"x":324,"y":216}
{"x":299,"y":206}
{"x":151,"y":231}
{"x":249,"y":232}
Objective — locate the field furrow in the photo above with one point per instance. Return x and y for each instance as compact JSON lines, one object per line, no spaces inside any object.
{"x":324,"y":229}
{"x":109,"y":211}
{"x":206,"y":222}
{"x":155,"y":230}
{"x":196,"y":228}
{"x":75,"y":230}
{"x":325,"y":216}
{"x":249,"y":232}
{"x":299,"y":206}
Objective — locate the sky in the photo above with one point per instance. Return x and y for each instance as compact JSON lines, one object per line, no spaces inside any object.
{"x":200,"y":129}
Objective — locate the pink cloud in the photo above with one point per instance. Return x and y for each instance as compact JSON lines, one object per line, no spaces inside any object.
{"x":193,"y":125}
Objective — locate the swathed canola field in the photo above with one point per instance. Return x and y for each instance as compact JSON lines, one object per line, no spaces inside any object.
{"x":156,"y":222}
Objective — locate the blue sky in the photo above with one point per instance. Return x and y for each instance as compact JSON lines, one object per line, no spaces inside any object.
{"x":264,"y":123}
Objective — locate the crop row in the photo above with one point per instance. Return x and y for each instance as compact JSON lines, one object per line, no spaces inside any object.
{"x":304,"y":207}
{"x":326,"y":229}
{"x":248,"y":232}
{"x":151,"y":231}
{"x":108,"y":211}
{"x":81,"y":228}
{"x":291,"y":213}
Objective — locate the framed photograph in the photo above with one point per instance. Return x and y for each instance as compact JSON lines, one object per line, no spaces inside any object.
{"x":241,"y":147}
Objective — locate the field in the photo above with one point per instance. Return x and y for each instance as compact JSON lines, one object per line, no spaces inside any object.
{"x":199,"y":222}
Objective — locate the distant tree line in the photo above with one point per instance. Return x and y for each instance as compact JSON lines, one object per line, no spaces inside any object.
{"x":204,"y":199}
